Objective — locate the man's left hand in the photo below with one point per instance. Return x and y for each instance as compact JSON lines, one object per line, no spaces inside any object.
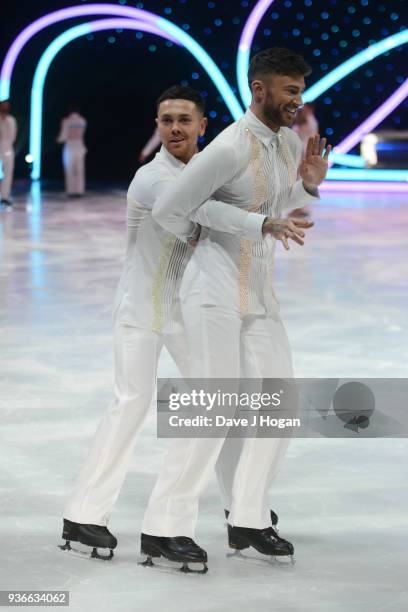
{"x":195,"y":239}
{"x":313,"y":168}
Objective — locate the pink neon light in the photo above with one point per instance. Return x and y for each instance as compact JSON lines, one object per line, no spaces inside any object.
{"x":252,"y":23}
{"x":73,"y":11}
{"x":245,"y":42}
{"x":129,"y":24}
{"x":356,"y":186}
{"x":375,"y":119}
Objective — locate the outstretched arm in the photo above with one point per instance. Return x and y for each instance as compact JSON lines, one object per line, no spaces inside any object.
{"x":224,"y":217}
{"x":206,"y":173}
{"x":148,"y":187}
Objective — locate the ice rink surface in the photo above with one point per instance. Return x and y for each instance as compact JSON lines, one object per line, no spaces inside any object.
{"x":342,"y":502}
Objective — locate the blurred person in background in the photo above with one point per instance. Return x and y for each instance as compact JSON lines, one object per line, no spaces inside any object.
{"x":8,"y":133}
{"x":71,"y":134}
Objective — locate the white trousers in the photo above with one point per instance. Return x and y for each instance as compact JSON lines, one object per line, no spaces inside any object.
{"x":99,"y":482}
{"x":7,"y":163}
{"x":73,"y":159}
{"x":222,"y":345}
{"x":98,"y":485}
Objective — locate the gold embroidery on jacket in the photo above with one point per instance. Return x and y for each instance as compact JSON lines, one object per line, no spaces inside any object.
{"x":258,"y":197}
{"x":159,"y":282}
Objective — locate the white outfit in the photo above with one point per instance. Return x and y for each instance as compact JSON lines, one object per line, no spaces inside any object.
{"x":152,"y":144}
{"x":231,"y":312}
{"x":307,"y":129}
{"x":147,"y":316}
{"x":8,"y":133}
{"x":73,"y":154}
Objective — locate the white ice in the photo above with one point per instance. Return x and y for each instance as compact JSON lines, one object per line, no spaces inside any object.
{"x":342,"y":502}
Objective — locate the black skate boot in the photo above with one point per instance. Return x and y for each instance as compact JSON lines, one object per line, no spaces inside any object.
{"x":88,"y":535}
{"x":181,"y":549}
{"x":266,"y":541}
{"x":274,"y":518}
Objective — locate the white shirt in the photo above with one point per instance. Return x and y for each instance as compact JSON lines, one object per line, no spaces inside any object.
{"x":253,"y":170}
{"x":155,"y":259}
{"x":8,"y":133}
{"x":72,"y":130}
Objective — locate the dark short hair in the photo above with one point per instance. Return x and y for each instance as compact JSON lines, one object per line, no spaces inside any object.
{"x":178,"y":92}
{"x":277,"y":60}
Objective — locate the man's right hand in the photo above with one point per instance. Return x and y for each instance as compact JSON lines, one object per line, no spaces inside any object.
{"x":283,"y":229}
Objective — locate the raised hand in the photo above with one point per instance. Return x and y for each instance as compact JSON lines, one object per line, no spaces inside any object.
{"x":313,"y":168}
{"x":283,"y":229}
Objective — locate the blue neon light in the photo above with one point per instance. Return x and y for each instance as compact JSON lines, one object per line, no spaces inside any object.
{"x":353,"y":63}
{"x":345,"y":174}
{"x":38,"y":88}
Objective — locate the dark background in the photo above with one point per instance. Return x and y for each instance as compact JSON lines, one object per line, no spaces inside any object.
{"x":117,"y":82}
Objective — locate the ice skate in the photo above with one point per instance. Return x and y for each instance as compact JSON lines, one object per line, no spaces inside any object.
{"x":179,"y":549}
{"x":274,"y":519}
{"x":265,"y":541}
{"x":94,"y":536}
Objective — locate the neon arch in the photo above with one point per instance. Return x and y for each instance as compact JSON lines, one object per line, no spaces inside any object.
{"x":244,"y":48}
{"x":180,"y":37}
{"x":45,"y":61}
{"x":374,"y":119}
{"x":339,"y":154}
{"x":175,"y":33}
{"x":55,"y":17}
{"x":373,"y":51}
{"x":44,"y":64}
{"x":329,"y":79}
{"x":37,"y":94}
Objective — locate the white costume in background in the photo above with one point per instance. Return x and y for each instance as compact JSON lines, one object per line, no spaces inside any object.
{"x":309,"y":128}
{"x":152,"y":144}
{"x":73,"y":154}
{"x":146,"y":317}
{"x":8,"y":133}
{"x":231,"y":313}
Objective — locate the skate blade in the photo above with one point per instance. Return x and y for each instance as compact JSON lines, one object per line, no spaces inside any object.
{"x":172,"y":569}
{"x":276,"y":561}
{"x":85,"y":554}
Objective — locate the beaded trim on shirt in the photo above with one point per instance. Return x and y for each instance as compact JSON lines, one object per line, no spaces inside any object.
{"x":159,"y":282}
{"x":258,"y":197}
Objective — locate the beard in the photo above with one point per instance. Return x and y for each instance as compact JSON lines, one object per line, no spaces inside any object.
{"x":272,"y":114}
{"x":277,"y":115}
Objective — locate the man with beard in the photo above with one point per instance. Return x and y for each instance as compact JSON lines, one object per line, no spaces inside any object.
{"x":229,"y":307}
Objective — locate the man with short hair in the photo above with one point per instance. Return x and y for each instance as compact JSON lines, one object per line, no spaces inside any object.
{"x":146,"y":318}
{"x":229,"y":307}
